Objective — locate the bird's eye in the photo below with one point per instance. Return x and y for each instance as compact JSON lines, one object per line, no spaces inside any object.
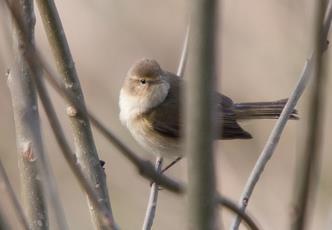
{"x":142,"y":81}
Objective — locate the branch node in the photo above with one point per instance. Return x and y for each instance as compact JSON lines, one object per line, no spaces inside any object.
{"x":27,"y":152}
{"x":71,"y":111}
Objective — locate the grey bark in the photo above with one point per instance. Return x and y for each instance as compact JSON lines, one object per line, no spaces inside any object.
{"x":84,"y":144}
{"x":28,"y":136}
{"x":199,"y":109}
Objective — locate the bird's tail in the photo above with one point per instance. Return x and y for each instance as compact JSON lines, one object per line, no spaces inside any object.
{"x":261,"y":110}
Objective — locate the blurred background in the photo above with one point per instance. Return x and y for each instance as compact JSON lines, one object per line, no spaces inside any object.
{"x":262,"y":49}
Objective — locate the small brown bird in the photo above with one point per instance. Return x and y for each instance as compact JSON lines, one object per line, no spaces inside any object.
{"x":150,"y":108}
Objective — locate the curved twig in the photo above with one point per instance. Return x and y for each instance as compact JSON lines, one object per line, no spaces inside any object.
{"x":274,"y":137}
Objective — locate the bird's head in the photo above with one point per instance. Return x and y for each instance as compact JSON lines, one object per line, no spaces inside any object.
{"x":144,"y":88}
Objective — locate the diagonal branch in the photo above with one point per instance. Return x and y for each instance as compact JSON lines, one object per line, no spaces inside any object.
{"x":103,"y":213}
{"x":85,"y":148}
{"x":274,"y":137}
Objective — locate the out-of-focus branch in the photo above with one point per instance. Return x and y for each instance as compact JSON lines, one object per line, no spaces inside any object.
{"x":233,"y":207}
{"x":85,"y":148}
{"x":274,"y":137}
{"x":25,"y":110}
{"x":7,"y":189}
{"x":3,"y":220}
{"x":309,"y":171}
{"x":152,"y":204}
{"x":199,"y":114}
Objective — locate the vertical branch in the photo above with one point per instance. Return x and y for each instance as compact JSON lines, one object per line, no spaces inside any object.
{"x":199,"y":116}
{"x":28,"y":137}
{"x":84,"y":143}
{"x":311,"y":160}
{"x":8,"y":190}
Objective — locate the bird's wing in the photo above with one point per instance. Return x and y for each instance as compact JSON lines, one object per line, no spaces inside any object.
{"x":165,"y":118}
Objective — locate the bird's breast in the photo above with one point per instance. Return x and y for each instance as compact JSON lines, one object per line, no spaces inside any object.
{"x":143,"y":132}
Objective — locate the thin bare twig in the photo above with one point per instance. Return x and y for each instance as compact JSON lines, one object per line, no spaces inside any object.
{"x":311,"y":160}
{"x":152,"y":204}
{"x":85,"y":148}
{"x":8,"y":189}
{"x":184,"y":53}
{"x":274,"y":137}
{"x":104,"y":215}
{"x":199,"y":114}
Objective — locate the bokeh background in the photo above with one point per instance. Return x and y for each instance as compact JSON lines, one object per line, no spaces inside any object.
{"x":263,"y":47}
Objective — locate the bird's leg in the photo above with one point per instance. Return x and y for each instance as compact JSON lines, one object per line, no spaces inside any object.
{"x":171,"y":164}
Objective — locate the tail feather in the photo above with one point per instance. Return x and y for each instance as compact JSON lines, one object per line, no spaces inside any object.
{"x":261,"y":110}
